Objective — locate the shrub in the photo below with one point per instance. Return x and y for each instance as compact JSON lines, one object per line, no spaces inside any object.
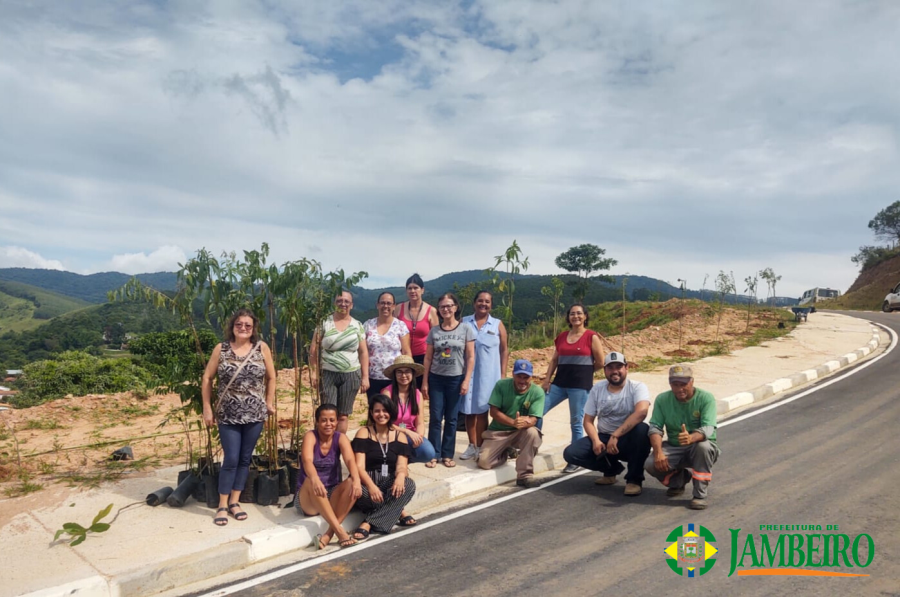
{"x":77,"y":373}
{"x":172,"y":350}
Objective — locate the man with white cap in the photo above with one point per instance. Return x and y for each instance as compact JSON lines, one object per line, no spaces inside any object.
{"x":614,"y":426}
{"x":516,"y":405}
{"x":687,"y":415}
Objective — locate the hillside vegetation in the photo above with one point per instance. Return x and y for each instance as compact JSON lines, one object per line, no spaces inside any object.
{"x":25,"y":307}
{"x":91,"y":288}
{"x":869,"y":289}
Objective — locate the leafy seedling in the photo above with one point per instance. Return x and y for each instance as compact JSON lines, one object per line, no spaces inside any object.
{"x":79,"y":533}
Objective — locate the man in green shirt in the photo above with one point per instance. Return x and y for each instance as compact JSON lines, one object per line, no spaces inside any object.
{"x":687,"y":415}
{"x":516,"y":407}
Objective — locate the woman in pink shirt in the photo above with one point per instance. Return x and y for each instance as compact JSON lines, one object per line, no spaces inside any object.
{"x":408,"y":399}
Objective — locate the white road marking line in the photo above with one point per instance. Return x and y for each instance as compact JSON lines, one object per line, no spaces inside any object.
{"x":274,"y":575}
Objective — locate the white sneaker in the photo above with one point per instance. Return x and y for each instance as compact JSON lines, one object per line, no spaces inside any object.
{"x":470,"y":453}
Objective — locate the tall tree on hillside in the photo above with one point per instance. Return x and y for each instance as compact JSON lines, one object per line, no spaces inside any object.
{"x":584,"y":260}
{"x":554,"y":292}
{"x":503,"y":276}
{"x":886,"y":223}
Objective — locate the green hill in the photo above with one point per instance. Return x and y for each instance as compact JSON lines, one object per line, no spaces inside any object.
{"x":25,"y":307}
{"x":91,"y":288}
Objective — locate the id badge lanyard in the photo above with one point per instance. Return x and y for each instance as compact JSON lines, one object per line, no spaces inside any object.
{"x":384,"y":452}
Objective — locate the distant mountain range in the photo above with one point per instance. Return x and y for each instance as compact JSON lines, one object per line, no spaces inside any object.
{"x":91,"y":288}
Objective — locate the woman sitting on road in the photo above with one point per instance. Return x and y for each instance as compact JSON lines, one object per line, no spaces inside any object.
{"x":576,"y":355}
{"x":246,"y":396}
{"x":382,"y":453}
{"x":408,"y":402}
{"x":319,"y":486}
{"x":386,"y":338}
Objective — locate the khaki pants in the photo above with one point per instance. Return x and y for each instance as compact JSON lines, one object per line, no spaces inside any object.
{"x":493,"y":450}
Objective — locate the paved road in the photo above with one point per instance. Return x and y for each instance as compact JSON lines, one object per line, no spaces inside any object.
{"x":828,"y":458}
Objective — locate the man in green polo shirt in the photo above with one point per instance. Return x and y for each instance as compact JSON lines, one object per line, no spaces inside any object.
{"x":687,"y":415}
{"x":516,"y":407}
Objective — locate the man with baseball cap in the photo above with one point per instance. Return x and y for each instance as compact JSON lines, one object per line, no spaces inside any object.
{"x":687,"y":415}
{"x":516,"y":407}
{"x":614,"y":426}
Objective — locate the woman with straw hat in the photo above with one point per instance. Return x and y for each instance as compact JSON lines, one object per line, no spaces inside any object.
{"x":408,"y":400}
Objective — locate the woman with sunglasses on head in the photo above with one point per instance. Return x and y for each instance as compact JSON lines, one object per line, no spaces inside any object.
{"x":408,"y":400}
{"x":345,"y":359}
{"x":419,"y":318}
{"x":386,"y":339}
{"x":491,"y":360}
{"x":320,"y":490}
{"x":577,"y":353}
{"x":449,"y":361}
{"x":382,"y":454}
{"x":246,"y":396}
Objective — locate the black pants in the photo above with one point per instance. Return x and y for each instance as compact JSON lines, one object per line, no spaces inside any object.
{"x":634,"y":447}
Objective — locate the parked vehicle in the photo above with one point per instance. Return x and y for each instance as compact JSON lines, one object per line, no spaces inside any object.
{"x":892,"y":300}
{"x":810,"y":297}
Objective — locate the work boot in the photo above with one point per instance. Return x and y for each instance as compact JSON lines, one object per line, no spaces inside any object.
{"x":528,"y":482}
{"x":633,"y":489}
{"x":674,"y":491}
{"x":604,"y":480}
{"x":698,"y":504}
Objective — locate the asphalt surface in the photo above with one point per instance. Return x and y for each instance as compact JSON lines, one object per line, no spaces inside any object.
{"x":827,"y":458}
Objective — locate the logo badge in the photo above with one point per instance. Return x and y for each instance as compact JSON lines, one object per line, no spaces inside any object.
{"x":692,"y":550}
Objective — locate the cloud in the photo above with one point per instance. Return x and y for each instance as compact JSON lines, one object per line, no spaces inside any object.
{"x":719,"y":136}
{"x":18,"y":257}
{"x":163,"y":259}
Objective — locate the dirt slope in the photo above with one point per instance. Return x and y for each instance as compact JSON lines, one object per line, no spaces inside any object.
{"x":869,"y":289}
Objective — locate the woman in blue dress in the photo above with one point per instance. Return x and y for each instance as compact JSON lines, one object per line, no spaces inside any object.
{"x":491,"y":360}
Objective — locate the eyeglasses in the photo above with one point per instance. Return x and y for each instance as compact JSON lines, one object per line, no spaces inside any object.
{"x":385,"y":304}
{"x":446,"y":307}
{"x":404,"y":372}
{"x":243,"y":326}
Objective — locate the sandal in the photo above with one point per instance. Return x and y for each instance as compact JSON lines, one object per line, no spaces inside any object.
{"x":407,"y":521}
{"x":360,"y":535}
{"x":237,"y":515}
{"x":348,"y":542}
{"x":448,"y":462}
{"x":431,"y":463}
{"x":221,"y":521}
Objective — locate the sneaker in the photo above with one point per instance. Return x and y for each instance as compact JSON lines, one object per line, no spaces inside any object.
{"x":529,"y":482}
{"x":470,"y":453}
{"x":674,"y":491}
{"x":571,"y":468}
{"x":698,"y":504}
{"x":632,"y":489}
{"x":605,"y":480}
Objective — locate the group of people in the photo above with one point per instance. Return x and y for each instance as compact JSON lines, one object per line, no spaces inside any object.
{"x":412,"y":352}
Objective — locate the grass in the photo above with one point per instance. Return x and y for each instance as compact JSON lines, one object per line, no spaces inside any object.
{"x":24,"y":486}
{"x":138,"y":410}
{"x":42,"y":424}
{"x":24,"y":307}
{"x":111,"y":471}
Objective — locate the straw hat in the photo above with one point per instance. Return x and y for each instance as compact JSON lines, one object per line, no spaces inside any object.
{"x":404,"y":362}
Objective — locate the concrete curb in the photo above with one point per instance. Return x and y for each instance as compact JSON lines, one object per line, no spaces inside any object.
{"x":731,"y":403}
{"x":300,"y":534}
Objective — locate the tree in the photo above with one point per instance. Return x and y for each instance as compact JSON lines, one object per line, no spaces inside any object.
{"x":886,"y":223}
{"x":724,"y":285}
{"x":751,"y":282}
{"x":554,"y":292}
{"x":771,"y":281}
{"x":513,"y":264}
{"x":583,"y":261}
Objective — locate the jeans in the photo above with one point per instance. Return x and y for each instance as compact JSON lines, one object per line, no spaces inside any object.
{"x":634,"y":447}
{"x":443,"y":395}
{"x":424,"y":453}
{"x":238,"y":442}
{"x":577,"y":399}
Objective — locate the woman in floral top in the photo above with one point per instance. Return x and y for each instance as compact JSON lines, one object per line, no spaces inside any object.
{"x":386,"y":338}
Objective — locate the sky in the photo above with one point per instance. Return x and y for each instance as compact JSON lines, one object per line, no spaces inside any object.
{"x":402,"y":135}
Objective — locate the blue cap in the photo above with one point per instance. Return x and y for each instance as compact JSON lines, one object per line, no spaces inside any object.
{"x":523,"y":366}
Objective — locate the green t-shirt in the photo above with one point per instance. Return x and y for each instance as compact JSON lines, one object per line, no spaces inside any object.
{"x":340,"y":350}
{"x":669,"y":414}
{"x":504,"y":397}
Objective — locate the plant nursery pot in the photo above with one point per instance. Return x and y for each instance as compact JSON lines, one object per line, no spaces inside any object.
{"x":248,"y":496}
{"x":284,"y":482}
{"x":182,"y":475}
{"x":203,"y":467}
{"x":159,"y":496}
{"x":211,"y":489}
{"x":294,"y":474}
{"x":267,"y":489}
{"x":184,"y":490}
